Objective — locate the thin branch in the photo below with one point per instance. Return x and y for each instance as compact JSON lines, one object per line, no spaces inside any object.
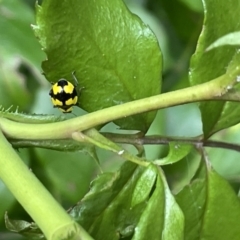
{"x":165,"y":140}
{"x":212,"y":90}
{"x":132,"y":139}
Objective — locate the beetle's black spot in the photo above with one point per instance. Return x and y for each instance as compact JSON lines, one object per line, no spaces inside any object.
{"x":62,"y":82}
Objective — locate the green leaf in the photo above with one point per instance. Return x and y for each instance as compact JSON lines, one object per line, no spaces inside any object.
{"x":162,"y":218}
{"x":211,"y":208}
{"x":105,"y":209}
{"x":29,"y":118}
{"x":27,"y":229}
{"x":192,"y":200}
{"x":20,"y":55}
{"x":177,"y":151}
{"x":229,"y":39}
{"x":173,"y":216}
{"x":134,"y":201}
{"x":181,"y":173}
{"x":151,"y":222}
{"x":194,"y":5}
{"x":228,"y":112}
{"x":221,"y":213}
{"x":115,"y":55}
{"x":62,"y":145}
{"x":144,"y":186}
{"x":114,"y":208}
{"x":94,"y":137}
{"x":18,"y":37}
{"x":220,"y":19}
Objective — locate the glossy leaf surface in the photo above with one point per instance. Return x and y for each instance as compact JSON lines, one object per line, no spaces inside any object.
{"x":115,"y":56}
{"x":206,"y":66}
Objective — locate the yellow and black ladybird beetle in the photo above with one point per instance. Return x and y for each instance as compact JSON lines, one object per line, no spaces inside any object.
{"x":64,"y":95}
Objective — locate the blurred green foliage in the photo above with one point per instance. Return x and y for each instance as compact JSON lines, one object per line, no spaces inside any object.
{"x":67,"y":175}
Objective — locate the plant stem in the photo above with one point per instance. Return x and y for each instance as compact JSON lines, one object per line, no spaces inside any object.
{"x":97,"y":139}
{"x":135,"y":139}
{"x":212,"y":90}
{"x":32,"y":195}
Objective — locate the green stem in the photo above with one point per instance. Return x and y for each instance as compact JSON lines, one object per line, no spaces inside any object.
{"x":97,"y":139}
{"x":212,"y":90}
{"x":37,"y":201}
{"x":133,"y":139}
{"x":137,"y":140}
